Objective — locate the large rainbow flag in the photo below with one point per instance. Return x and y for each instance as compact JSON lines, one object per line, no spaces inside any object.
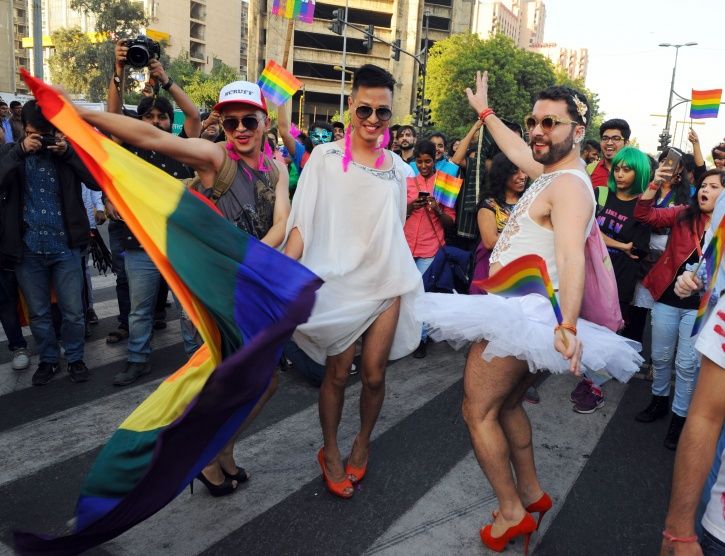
{"x":244,"y":297}
{"x":712,"y":258}
{"x":304,"y":10}
{"x":523,"y":276}
{"x":277,"y":84}
{"x":705,"y":104}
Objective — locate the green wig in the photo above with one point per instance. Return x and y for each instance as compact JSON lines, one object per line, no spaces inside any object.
{"x":635,"y":159}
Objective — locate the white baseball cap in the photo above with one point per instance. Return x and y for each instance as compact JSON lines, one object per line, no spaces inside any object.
{"x":241,"y":92}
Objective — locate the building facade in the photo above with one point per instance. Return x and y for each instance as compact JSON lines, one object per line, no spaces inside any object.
{"x":574,"y":61}
{"x":14,"y":25}
{"x":317,"y":55}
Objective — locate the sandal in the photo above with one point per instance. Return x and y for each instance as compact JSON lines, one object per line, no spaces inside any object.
{"x":337,"y":488}
{"x":115,"y":336}
{"x":241,"y":476}
{"x":227,"y":487}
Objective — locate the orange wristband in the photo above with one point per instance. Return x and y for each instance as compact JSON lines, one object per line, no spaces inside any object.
{"x":670,"y":537}
{"x":566,"y":326}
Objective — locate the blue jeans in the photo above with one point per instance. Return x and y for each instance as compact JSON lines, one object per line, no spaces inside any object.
{"x":36,"y":275}
{"x":116,"y":233}
{"x":711,"y":546}
{"x":9,"y":310}
{"x":423,"y":263}
{"x":143,"y":286}
{"x":671,"y":329}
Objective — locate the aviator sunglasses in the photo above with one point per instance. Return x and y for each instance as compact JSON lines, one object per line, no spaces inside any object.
{"x":250,"y":123}
{"x":364,"y":112}
{"x":547,"y":123}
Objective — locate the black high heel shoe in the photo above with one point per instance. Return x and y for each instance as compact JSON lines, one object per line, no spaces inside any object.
{"x":241,"y":476}
{"x":227,"y":487}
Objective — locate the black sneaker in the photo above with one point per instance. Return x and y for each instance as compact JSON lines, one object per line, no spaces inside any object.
{"x":78,"y":371}
{"x":673,"y":434}
{"x":131,"y":373}
{"x":421,"y":351}
{"x":44,"y":373}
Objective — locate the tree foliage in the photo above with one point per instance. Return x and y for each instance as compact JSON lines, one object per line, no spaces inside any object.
{"x":83,"y":67}
{"x":515,"y":77}
{"x":202,"y":88}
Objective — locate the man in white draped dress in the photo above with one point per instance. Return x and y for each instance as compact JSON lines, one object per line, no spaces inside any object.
{"x":346,"y":225}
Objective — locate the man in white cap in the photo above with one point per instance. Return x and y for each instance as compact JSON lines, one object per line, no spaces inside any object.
{"x":249,"y":189}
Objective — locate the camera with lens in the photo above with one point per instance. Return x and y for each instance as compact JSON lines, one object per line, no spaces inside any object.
{"x":48,"y":140}
{"x":141,"y":51}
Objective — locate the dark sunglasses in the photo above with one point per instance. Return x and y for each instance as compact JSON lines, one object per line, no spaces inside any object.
{"x":364,"y":112}
{"x":250,"y":123}
{"x":547,"y":123}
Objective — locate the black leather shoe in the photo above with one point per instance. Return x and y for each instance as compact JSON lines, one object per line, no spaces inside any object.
{"x":131,"y":373}
{"x":421,"y":351}
{"x":78,"y":371}
{"x":673,"y":434}
{"x":659,"y":407}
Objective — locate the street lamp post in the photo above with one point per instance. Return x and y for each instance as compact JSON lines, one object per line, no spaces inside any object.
{"x":424,"y":65}
{"x":344,"y":60}
{"x":666,"y":130}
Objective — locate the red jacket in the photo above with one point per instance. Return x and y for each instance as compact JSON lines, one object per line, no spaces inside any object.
{"x":682,"y":243}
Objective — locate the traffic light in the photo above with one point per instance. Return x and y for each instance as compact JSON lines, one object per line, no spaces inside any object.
{"x":368,"y":41}
{"x":338,"y":22}
{"x":664,"y":140}
{"x":426,"y":119}
{"x":396,"y":50}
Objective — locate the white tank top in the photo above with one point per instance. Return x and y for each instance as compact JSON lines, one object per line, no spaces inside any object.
{"x":522,"y":236}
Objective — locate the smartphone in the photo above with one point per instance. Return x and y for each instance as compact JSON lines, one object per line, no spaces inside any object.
{"x":672,"y":159}
{"x":423,"y":194}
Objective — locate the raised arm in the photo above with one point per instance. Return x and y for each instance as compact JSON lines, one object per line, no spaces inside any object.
{"x":459,"y":157}
{"x":644,"y":211}
{"x":513,"y":146}
{"x":118,"y":80}
{"x":192,"y":123}
{"x":283,"y":126}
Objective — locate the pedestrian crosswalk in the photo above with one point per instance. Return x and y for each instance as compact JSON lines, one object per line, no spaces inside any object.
{"x":424,"y":493}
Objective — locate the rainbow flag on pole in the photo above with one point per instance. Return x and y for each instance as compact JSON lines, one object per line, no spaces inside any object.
{"x":304,"y":10}
{"x":244,"y":298}
{"x":523,"y":276}
{"x":277,"y":84}
{"x":705,"y":104}
{"x":712,"y":258}
{"x":446,"y":189}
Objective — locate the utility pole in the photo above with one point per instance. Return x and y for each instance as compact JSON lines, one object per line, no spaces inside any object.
{"x":344,"y":61}
{"x":424,"y":68}
{"x":37,"y":39}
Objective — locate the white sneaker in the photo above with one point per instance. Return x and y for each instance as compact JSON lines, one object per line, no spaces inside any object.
{"x":21,"y":359}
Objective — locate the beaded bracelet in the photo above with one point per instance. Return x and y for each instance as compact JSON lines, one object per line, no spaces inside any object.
{"x":485,"y":114}
{"x":670,"y":537}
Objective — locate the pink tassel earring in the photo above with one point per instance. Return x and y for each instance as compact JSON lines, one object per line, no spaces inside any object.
{"x":385,"y":139}
{"x":230,"y":150}
{"x":347,"y":156}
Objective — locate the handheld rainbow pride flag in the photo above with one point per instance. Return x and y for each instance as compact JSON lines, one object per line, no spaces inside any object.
{"x":705,"y":104}
{"x":304,"y":10}
{"x":522,"y":276}
{"x":244,"y":298}
{"x":277,"y":84}
{"x":446,"y":189}
{"x":712,"y":258}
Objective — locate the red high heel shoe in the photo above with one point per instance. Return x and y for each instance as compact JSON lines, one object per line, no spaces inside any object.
{"x":337,"y":488}
{"x":525,"y":527}
{"x":541,"y":506}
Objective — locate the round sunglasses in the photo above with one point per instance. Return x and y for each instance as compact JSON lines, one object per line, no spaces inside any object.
{"x":547,"y":123}
{"x":250,"y":123}
{"x":382,"y":114}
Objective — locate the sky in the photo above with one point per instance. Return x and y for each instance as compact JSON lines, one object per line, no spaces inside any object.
{"x":632,"y":74}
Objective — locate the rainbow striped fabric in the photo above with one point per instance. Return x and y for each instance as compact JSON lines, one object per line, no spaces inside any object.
{"x":523,"y":276}
{"x":705,"y":104}
{"x":304,"y":10}
{"x":277,"y":84}
{"x":446,"y":189}
{"x":712,"y":258}
{"x":244,"y":298}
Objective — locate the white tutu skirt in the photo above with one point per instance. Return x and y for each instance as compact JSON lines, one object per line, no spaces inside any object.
{"x":523,"y":327}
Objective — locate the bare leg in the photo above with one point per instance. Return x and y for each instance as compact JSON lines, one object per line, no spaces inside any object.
{"x":224,"y":461}
{"x":517,"y":428}
{"x":377,"y":341}
{"x":332,"y":398}
{"x":487,"y":385}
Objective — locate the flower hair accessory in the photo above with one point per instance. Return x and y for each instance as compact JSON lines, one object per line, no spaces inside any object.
{"x":581,"y":107}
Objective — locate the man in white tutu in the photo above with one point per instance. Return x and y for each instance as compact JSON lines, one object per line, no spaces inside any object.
{"x":346,"y":225}
{"x":516,"y":335}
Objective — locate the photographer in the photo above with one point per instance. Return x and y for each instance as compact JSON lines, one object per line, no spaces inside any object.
{"x":137,"y":278}
{"x":44,"y":230}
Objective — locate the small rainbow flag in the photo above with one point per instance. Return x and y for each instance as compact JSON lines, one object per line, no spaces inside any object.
{"x":705,"y":104}
{"x":277,"y":84}
{"x":304,"y":10}
{"x":446,"y":189}
{"x":520,"y":277}
{"x":712,"y":258}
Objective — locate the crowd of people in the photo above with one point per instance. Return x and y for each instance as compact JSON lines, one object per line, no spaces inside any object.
{"x":356,"y":204}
